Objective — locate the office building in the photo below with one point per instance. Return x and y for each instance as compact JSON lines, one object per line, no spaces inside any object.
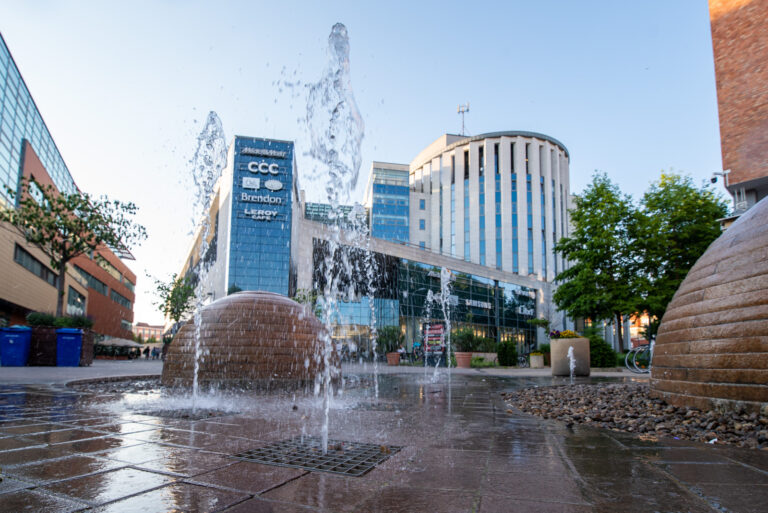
{"x":99,"y":285}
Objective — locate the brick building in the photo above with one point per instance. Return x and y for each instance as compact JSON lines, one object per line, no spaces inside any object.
{"x":740,"y":44}
{"x":99,"y":285}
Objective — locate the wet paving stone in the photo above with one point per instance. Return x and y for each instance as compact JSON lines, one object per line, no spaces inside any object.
{"x":737,"y":498}
{"x":187,"y":463}
{"x":698,"y":473}
{"x":248,"y":477}
{"x":176,"y":497}
{"x":108,"y":486}
{"x":462,"y":452}
{"x":136,"y":453}
{"x":9,"y":484}
{"x":30,"y":455}
{"x":32,"y":501}
{"x":497,"y":504}
{"x":63,"y":468}
{"x":326,"y":491}
{"x":258,"y":505}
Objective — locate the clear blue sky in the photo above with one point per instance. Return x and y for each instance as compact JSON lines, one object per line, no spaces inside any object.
{"x":628,"y":87}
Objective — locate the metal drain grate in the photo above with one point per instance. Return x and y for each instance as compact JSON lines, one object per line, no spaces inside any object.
{"x":345,"y":458}
{"x":187,"y":414}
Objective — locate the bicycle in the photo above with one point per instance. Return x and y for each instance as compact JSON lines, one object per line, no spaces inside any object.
{"x":522,"y":362}
{"x":638,"y":359}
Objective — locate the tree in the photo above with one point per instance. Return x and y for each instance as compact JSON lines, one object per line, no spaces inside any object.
{"x":676,"y":224}
{"x":600,"y":282}
{"x":175,"y":297}
{"x":67,"y":225}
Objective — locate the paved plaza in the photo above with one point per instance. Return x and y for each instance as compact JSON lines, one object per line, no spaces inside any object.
{"x":74,"y":449}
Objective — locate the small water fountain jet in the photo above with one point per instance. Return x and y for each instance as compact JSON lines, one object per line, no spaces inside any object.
{"x":571,"y":362}
{"x":336,"y":130}
{"x":207,"y":163}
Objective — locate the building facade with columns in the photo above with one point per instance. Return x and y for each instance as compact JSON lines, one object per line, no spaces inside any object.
{"x":485,"y":211}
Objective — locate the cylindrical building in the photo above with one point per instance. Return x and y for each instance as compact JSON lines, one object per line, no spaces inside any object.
{"x":498,"y":200}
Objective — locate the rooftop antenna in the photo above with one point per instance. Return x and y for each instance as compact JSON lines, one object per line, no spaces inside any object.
{"x":461,"y":110}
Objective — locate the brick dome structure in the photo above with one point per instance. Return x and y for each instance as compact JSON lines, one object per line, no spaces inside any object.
{"x":250,"y":338}
{"x":712,"y":346}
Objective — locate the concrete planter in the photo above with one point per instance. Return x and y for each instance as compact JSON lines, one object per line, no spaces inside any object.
{"x":463,"y":360}
{"x":393,"y":358}
{"x":537,"y":361}
{"x":560,"y":361}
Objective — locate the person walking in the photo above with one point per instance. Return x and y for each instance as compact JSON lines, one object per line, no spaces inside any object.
{"x":146,"y":353}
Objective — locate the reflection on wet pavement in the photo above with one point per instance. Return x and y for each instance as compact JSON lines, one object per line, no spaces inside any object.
{"x":463,"y":451}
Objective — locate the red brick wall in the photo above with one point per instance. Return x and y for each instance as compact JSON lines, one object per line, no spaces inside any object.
{"x":740,"y":44}
{"x":106,"y":313}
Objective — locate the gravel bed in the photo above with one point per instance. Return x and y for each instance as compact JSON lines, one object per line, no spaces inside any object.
{"x":629,"y":408}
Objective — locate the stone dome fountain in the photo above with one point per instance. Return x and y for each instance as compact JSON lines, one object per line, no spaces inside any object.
{"x":253,"y":339}
{"x":712,"y":346}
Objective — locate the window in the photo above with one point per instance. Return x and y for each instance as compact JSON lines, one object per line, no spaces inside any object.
{"x":125,"y":325}
{"x":93,"y":282}
{"x":75,"y":302}
{"x":422,"y":204}
{"x":24,"y":258}
{"x":422,"y":245}
{"x":422,"y":224}
{"x":119,"y":299}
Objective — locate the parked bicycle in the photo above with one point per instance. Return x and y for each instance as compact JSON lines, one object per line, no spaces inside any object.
{"x":639,"y":359}
{"x":522,"y":361}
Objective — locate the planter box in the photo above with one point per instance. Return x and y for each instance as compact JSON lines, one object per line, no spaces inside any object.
{"x":86,"y":350}
{"x":42,"y":349}
{"x":537,"y":361}
{"x":393,"y":358}
{"x":463,"y":360}
{"x":560,"y":361}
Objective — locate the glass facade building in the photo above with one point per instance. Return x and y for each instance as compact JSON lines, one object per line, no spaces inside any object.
{"x":388,"y":199}
{"x":259,"y":256}
{"x":402,"y":291}
{"x":19,"y":121}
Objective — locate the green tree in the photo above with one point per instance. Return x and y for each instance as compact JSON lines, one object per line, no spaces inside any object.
{"x":677,"y":222}
{"x":175,"y":297}
{"x":389,"y":338}
{"x":65,"y":225}
{"x":600,"y":281}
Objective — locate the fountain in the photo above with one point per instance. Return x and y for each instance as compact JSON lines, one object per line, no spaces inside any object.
{"x":253,"y":340}
{"x":571,"y":362}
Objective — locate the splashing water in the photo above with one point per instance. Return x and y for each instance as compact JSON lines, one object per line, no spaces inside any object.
{"x":571,"y":362}
{"x":336,"y":132}
{"x":207,"y":163}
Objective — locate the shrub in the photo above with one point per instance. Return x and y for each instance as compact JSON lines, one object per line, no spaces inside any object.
{"x":507,"y":354}
{"x":600,"y":353}
{"x":480,"y":362}
{"x":485,"y":345}
{"x":545,"y":348}
{"x":464,"y":340}
{"x":41,"y":319}
{"x":389,"y":339}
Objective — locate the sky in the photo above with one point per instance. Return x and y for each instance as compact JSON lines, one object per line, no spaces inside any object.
{"x":125,"y":87}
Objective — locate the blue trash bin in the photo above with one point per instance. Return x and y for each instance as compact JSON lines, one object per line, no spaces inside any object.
{"x":68,"y":344}
{"x":14,"y":345}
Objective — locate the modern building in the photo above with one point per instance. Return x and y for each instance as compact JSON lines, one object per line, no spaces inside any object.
{"x":251,"y":235}
{"x":485,"y":209}
{"x":387,"y":198}
{"x":740,"y":44}
{"x":99,"y":285}
{"x":147,"y":331}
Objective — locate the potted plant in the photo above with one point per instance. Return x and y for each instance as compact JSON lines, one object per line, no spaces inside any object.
{"x":464,"y":343}
{"x":536,"y":359}
{"x":389,"y":339}
{"x":561,"y":344}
